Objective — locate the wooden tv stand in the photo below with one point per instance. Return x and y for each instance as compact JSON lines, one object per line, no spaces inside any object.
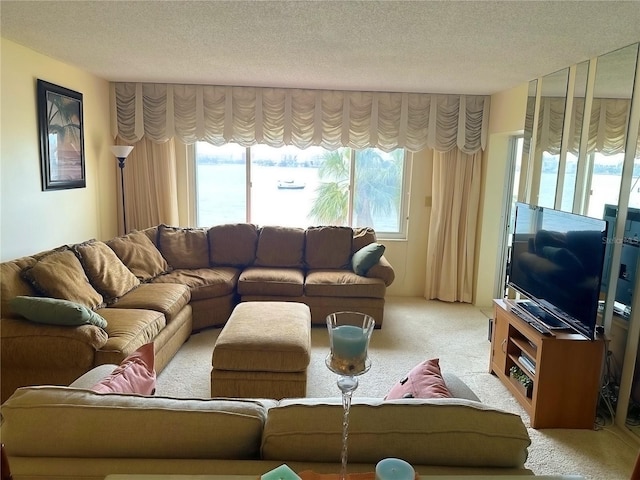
{"x":566,"y":380}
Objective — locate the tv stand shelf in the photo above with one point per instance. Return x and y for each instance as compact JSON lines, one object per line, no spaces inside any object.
{"x":566,"y":373}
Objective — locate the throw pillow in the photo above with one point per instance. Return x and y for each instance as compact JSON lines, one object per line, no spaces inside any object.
{"x":423,"y":381}
{"x":105,"y":270}
{"x":184,"y":247}
{"x":59,"y":274}
{"x":136,"y":374}
{"x":367,"y":257}
{"x":54,"y":311}
{"x":140,"y":255}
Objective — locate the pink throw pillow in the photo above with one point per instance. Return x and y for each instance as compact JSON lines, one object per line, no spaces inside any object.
{"x":136,"y":374}
{"x":423,"y":381}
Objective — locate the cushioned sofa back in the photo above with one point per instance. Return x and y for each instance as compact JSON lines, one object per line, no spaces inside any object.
{"x":446,"y":432}
{"x":114,"y":425}
{"x":328,"y":247}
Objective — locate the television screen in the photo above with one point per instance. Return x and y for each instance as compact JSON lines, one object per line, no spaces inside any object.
{"x":556,"y":262}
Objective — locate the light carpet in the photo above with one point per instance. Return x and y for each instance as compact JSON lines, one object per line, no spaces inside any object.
{"x":416,"y":329}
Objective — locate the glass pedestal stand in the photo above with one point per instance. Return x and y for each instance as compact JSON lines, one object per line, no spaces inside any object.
{"x":349,"y":335}
{"x":347,"y":386}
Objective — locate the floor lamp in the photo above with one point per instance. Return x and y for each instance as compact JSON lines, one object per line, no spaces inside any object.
{"x":121,"y":152}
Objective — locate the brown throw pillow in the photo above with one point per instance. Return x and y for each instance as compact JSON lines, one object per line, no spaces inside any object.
{"x":140,"y":255}
{"x":60,"y":275}
{"x":184,"y":247}
{"x":105,"y":270}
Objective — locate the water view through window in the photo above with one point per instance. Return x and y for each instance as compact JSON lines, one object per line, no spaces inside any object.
{"x":295,"y":187}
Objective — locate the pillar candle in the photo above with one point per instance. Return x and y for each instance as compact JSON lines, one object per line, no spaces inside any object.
{"x":394,"y":469}
{"x":349,"y":342}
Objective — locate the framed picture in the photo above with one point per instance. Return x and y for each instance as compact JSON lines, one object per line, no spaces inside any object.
{"x":61,"y":137}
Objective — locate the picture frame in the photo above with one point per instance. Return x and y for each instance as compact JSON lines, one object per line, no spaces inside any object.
{"x":61,"y":125}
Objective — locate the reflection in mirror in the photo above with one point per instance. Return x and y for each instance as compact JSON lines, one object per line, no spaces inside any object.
{"x":520,"y":190}
{"x":577,"y":114}
{"x":609,"y":121}
{"x":615,"y":74}
{"x":549,"y":137}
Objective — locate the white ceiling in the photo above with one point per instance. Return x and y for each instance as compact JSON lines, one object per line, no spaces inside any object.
{"x":472,"y":47}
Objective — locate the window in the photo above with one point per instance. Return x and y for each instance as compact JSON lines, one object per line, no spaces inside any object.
{"x":296,"y":187}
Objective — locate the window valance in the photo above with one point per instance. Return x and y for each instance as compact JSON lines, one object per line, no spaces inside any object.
{"x":278,"y":116}
{"x":608,"y":124}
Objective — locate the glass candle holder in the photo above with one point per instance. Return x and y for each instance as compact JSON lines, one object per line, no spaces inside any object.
{"x":349,"y":335}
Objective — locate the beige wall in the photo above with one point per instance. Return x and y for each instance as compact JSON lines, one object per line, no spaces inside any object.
{"x":409,"y":257}
{"x":32,"y":220}
{"x":506,"y":119}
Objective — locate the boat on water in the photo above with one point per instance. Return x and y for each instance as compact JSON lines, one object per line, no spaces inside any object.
{"x":290,"y":185}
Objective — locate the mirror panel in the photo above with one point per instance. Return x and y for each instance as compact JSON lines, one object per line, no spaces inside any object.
{"x":549,"y":139}
{"x":575,"y":133}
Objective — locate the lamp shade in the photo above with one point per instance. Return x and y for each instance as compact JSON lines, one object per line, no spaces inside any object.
{"x":121,"y":151}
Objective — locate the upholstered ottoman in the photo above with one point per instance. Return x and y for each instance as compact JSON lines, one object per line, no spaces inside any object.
{"x":263,"y":351}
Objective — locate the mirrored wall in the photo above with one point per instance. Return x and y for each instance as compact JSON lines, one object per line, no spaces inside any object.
{"x":581,"y":153}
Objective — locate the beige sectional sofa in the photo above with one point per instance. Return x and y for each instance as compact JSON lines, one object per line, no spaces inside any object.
{"x":116,"y":433}
{"x":161,"y":284}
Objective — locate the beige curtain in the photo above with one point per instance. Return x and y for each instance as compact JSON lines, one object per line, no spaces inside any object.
{"x":452,"y":230}
{"x":150,"y":185}
{"x":280,"y":116}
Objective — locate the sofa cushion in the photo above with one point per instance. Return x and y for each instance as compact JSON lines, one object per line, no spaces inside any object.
{"x":128,"y":330}
{"x":105,"y":270}
{"x":280,"y":247}
{"x":13,"y":283}
{"x":327,"y":247}
{"x":94,"y":425}
{"x":286,"y":282}
{"x":233,"y":244}
{"x":367,"y":257}
{"x":442,"y":431}
{"x":184,"y":247}
{"x":140,"y":255}
{"x":135,"y":374}
{"x":54,"y":311}
{"x":60,"y":275}
{"x":204,"y":283}
{"x":167,"y":298}
{"x":342,"y":283}
{"x":423,"y":381}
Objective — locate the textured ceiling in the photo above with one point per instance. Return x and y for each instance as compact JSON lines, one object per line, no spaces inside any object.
{"x":473,"y":47}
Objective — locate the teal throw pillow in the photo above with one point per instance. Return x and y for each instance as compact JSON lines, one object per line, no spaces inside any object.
{"x":54,"y":311}
{"x":366,"y":257}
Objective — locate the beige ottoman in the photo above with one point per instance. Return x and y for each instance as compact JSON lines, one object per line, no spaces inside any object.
{"x":263,"y":351}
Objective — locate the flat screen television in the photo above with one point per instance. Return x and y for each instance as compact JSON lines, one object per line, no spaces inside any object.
{"x":556,"y":263}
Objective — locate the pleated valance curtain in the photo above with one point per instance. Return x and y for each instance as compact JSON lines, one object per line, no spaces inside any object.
{"x":607,"y":126}
{"x":279,"y":116}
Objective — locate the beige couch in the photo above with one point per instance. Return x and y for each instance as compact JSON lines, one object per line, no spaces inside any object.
{"x":161,"y":284}
{"x":73,"y":433}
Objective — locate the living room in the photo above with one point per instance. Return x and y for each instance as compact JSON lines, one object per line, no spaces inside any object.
{"x":33,"y":220}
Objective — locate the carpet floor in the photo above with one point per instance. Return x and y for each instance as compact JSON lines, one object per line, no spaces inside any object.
{"x":416,"y":329}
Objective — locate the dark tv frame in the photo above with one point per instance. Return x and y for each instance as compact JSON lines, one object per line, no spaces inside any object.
{"x":556,"y":317}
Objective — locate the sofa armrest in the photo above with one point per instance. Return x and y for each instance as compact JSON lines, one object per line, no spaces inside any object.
{"x":35,"y":354}
{"x":382,"y":270}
